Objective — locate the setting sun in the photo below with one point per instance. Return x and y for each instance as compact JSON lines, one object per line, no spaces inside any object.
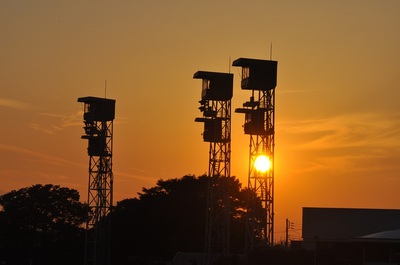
{"x":262,"y":163}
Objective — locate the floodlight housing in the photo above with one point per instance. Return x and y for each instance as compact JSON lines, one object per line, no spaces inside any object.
{"x":98,"y":109}
{"x":216,"y":86}
{"x":257,"y":74}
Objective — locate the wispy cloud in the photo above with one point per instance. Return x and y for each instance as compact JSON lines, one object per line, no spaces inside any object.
{"x":357,"y":142}
{"x":58,"y":122}
{"x":14,"y":104}
{"x":34,"y":155}
{"x":67,"y":120}
{"x":351,"y":130}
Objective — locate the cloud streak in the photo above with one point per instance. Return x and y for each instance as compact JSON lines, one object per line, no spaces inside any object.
{"x":357,"y":142}
{"x":51,"y":159}
{"x":14,"y":104}
{"x":67,"y":120}
{"x":346,"y":131}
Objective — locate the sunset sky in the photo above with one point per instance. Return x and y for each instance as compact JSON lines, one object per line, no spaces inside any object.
{"x":337,"y":99}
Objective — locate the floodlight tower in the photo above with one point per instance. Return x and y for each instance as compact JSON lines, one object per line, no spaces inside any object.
{"x":259,"y":76}
{"x":216,"y":95}
{"x":98,"y":119}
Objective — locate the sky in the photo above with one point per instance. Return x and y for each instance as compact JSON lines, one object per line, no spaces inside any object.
{"x":337,"y":135}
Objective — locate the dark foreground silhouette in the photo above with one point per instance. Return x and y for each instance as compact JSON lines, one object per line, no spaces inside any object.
{"x":44,"y":224}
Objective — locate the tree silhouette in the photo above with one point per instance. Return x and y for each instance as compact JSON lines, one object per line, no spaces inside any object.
{"x":41,"y":223}
{"x":168,"y":218}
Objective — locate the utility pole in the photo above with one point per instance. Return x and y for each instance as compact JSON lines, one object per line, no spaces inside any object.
{"x":287,"y":233}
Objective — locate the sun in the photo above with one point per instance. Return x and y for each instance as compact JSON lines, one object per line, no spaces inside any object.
{"x":262,"y":163}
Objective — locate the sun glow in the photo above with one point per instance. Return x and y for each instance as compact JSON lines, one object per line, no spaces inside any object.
{"x":262,"y":163}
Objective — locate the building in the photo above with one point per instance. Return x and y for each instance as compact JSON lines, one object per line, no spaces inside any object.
{"x":352,"y":236}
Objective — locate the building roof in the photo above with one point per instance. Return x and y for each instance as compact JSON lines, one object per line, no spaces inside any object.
{"x":390,"y":234}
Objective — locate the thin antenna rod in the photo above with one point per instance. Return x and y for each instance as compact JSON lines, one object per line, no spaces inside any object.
{"x":229,"y":64}
{"x":105,"y":88}
{"x":270,"y":51}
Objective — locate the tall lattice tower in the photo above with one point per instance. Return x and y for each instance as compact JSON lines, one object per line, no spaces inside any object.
{"x":98,"y":119}
{"x":215,"y":104}
{"x":259,"y":76}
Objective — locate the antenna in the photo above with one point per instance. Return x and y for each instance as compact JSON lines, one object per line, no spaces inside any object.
{"x":229,"y":64}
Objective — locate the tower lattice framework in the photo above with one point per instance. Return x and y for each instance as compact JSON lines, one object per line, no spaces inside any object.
{"x":216,"y":108}
{"x":217,"y":222}
{"x":260,"y":229}
{"x":259,"y":76}
{"x":98,"y":120}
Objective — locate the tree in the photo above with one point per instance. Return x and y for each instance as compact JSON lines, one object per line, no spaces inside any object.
{"x":170,"y":217}
{"x":41,"y":222}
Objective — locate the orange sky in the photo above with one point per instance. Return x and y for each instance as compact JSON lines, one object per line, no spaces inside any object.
{"x":337,"y":99}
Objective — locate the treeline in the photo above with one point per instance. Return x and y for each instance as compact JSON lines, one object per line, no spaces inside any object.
{"x":168,"y":218}
{"x":45,"y":224}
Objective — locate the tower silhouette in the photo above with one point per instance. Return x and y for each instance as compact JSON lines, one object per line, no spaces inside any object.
{"x":259,"y":76}
{"x":217,"y":89}
{"x":98,"y":119}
